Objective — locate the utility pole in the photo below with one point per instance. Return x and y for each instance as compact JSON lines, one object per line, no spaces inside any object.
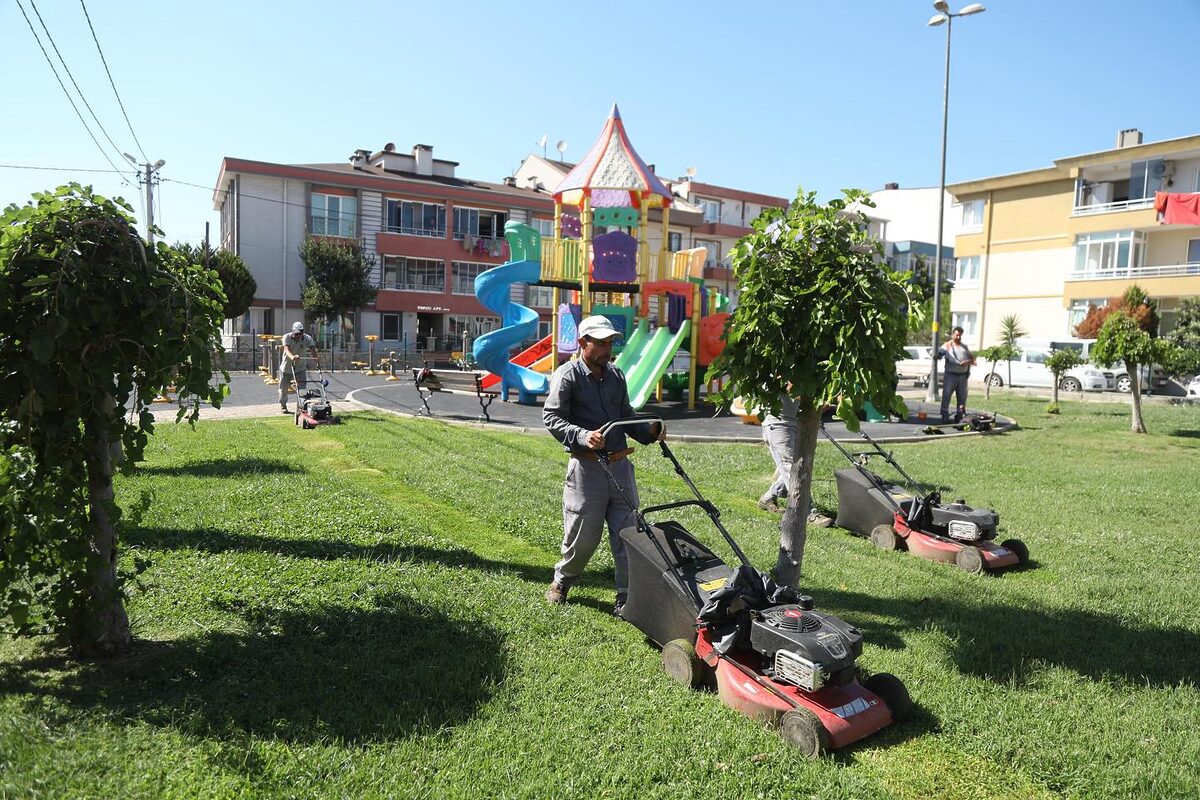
{"x":149,"y":177}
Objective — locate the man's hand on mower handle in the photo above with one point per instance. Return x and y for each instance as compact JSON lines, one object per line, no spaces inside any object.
{"x":595,"y":440}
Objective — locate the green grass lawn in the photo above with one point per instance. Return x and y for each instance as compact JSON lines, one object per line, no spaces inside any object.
{"x":357,"y":611}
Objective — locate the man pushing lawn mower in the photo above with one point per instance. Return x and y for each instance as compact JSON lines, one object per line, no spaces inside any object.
{"x":585,"y":395}
{"x":290,"y":366}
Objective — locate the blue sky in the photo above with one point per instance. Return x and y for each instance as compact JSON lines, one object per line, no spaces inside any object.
{"x":755,"y":95}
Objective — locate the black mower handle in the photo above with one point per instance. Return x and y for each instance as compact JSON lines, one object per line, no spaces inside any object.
{"x":628,"y":422}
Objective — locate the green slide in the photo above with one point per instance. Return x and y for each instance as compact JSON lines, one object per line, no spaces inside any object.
{"x":634,"y":345}
{"x":651,"y":364}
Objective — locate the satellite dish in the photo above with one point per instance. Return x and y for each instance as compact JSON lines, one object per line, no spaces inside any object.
{"x":561,"y":147}
{"x":542,"y":142}
{"x":691,"y":172}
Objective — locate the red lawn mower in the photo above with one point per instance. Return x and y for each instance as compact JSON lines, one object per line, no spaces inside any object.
{"x":896,"y":517}
{"x":312,"y":404}
{"x":770,"y":654}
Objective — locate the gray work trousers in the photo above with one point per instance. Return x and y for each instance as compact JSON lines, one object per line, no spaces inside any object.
{"x":286,"y":374}
{"x":589,"y":501}
{"x":781,"y":441}
{"x":956,"y":383}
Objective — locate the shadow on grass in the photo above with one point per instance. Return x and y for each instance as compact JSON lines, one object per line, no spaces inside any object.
{"x":1011,"y":644}
{"x":211,"y":540}
{"x":224,"y":468}
{"x":353,"y":675}
{"x":1184,"y":433}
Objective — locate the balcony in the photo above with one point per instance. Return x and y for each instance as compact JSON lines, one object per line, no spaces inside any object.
{"x":1129,"y":273}
{"x":1108,"y":208}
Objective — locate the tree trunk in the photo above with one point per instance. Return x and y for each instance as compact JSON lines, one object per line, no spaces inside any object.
{"x":793,"y":528}
{"x":1054,"y":389}
{"x":1136,"y":389}
{"x":106,"y":627}
{"x":1009,"y":362}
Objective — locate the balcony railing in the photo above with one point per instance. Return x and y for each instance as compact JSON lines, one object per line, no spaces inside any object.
{"x":562,"y":260}
{"x":432,"y":233}
{"x":414,"y":287}
{"x":1108,"y":208}
{"x":1158,"y":271}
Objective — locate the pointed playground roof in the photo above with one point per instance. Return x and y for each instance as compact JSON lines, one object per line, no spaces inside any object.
{"x":612,"y":174}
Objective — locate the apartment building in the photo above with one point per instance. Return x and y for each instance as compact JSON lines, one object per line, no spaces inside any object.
{"x":1045,"y":244}
{"x":430,"y":231}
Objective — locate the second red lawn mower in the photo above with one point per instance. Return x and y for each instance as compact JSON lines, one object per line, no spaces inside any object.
{"x":902,"y":517}
{"x":772,"y":656}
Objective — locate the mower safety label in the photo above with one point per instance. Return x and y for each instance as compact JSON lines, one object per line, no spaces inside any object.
{"x":711,"y":585}
{"x":856,"y":706}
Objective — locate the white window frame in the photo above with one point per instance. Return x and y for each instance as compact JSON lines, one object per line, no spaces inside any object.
{"x":1098,"y":254}
{"x":711,"y":209}
{"x":972,"y":215}
{"x":436,"y":232}
{"x":1078,"y":311}
{"x":475,"y":269}
{"x":332,"y":215}
{"x":967,"y":320}
{"x":537,"y":294}
{"x":970,"y":275}
{"x":1193,"y":249}
{"x":399,"y":267}
{"x":472,"y":217}
{"x":544,"y":227}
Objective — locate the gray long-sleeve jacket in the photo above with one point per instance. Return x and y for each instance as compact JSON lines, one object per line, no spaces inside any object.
{"x":958,"y":358}
{"x":579,"y":403}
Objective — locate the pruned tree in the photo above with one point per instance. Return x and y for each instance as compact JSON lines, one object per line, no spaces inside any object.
{"x":1060,"y":362}
{"x":239,"y":285}
{"x":1121,"y":338}
{"x":820,"y":319}
{"x":1186,"y":337}
{"x":1134,"y":302}
{"x":1011,"y":330}
{"x":92,"y":328}
{"x":339,"y":277}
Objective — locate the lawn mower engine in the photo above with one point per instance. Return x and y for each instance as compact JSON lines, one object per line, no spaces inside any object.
{"x":313,"y":404}
{"x":960,"y":521}
{"x":804,"y":647}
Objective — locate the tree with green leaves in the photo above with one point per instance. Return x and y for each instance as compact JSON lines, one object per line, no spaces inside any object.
{"x":339,"y":277}
{"x":1011,"y":330}
{"x":1186,"y":337}
{"x":994,"y":355}
{"x":239,"y":285}
{"x":921,"y":292}
{"x":93,"y":326}
{"x":1133,"y":301}
{"x":1121,"y":338}
{"x":819,"y":319}
{"x":1060,"y":362}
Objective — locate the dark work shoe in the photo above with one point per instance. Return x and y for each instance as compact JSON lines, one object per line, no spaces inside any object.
{"x":284,"y":410}
{"x":771,"y":505}
{"x":819,"y":520}
{"x":619,"y":607}
{"x":556,"y":595}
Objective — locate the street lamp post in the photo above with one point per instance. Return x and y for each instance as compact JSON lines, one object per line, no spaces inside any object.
{"x":944,"y":15}
{"x":151,"y":175}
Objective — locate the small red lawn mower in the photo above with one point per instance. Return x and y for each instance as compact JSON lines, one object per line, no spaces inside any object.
{"x":312,"y":405}
{"x":896,"y":517}
{"x":771,"y":655}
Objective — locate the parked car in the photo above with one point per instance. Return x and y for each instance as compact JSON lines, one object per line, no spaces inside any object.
{"x":1193,"y":390}
{"x":915,"y":366}
{"x":1150,"y":378}
{"x":1029,"y":369}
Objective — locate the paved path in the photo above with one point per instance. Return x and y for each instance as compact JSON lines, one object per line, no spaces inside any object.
{"x":352,"y":391}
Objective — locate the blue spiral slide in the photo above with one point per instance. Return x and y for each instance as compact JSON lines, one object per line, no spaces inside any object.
{"x":518,"y":323}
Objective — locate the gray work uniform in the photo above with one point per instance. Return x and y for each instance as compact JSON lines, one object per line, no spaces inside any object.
{"x":299,"y":346}
{"x":779,"y":432}
{"x":954,"y":377}
{"x":577,"y":404}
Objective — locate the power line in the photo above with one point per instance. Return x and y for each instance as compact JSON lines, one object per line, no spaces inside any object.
{"x":104,"y":61}
{"x":72,"y":77}
{"x":59,"y":169}
{"x":64,"y":88}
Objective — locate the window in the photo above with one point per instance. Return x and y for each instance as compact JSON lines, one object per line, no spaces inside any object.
{"x":541,"y":296}
{"x":463,"y":274}
{"x":1145,"y":178}
{"x":711,"y":209}
{"x":416,"y":219}
{"x":1035,"y":356}
{"x":674,"y":242}
{"x":391,"y":328}
{"x":1108,"y":254}
{"x":1079,"y":310}
{"x":713,"y":257}
{"x":965,"y":320}
{"x":545,"y":227}
{"x":414,"y":274}
{"x":967,"y":271}
{"x":473,"y":327}
{"x":333,"y":215}
{"x":473,"y":222}
{"x":972,"y":215}
{"x":1193,"y":251}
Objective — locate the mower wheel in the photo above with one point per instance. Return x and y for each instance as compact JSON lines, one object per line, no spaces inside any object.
{"x":802,"y":730}
{"x":891,"y":690}
{"x":969,"y":560}
{"x":680,"y":661}
{"x":884,"y":537}
{"x":1018,"y":547}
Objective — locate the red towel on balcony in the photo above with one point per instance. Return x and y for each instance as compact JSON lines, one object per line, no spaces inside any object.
{"x":1178,"y":208}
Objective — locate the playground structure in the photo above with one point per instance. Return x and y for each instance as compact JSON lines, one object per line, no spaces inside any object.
{"x":612,"y":190}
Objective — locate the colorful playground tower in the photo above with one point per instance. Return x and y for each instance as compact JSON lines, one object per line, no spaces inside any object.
{"x":611,"y":187}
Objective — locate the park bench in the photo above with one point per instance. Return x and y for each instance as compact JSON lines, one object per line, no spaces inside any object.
{"x":429,"y":381}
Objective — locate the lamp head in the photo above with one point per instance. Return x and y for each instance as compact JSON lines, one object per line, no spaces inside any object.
{"x":130,"y":158}
{"x":159,"y":164}
{"x":974,"y":8}
{"x":942,"y":6}
{"x":938,"y":19}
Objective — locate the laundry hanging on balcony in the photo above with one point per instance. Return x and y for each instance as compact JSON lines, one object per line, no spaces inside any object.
{"x":1178,"y":208}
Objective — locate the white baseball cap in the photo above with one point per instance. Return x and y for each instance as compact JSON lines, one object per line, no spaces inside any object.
{"x":597,"y":327}
{"x":298,"y":327}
